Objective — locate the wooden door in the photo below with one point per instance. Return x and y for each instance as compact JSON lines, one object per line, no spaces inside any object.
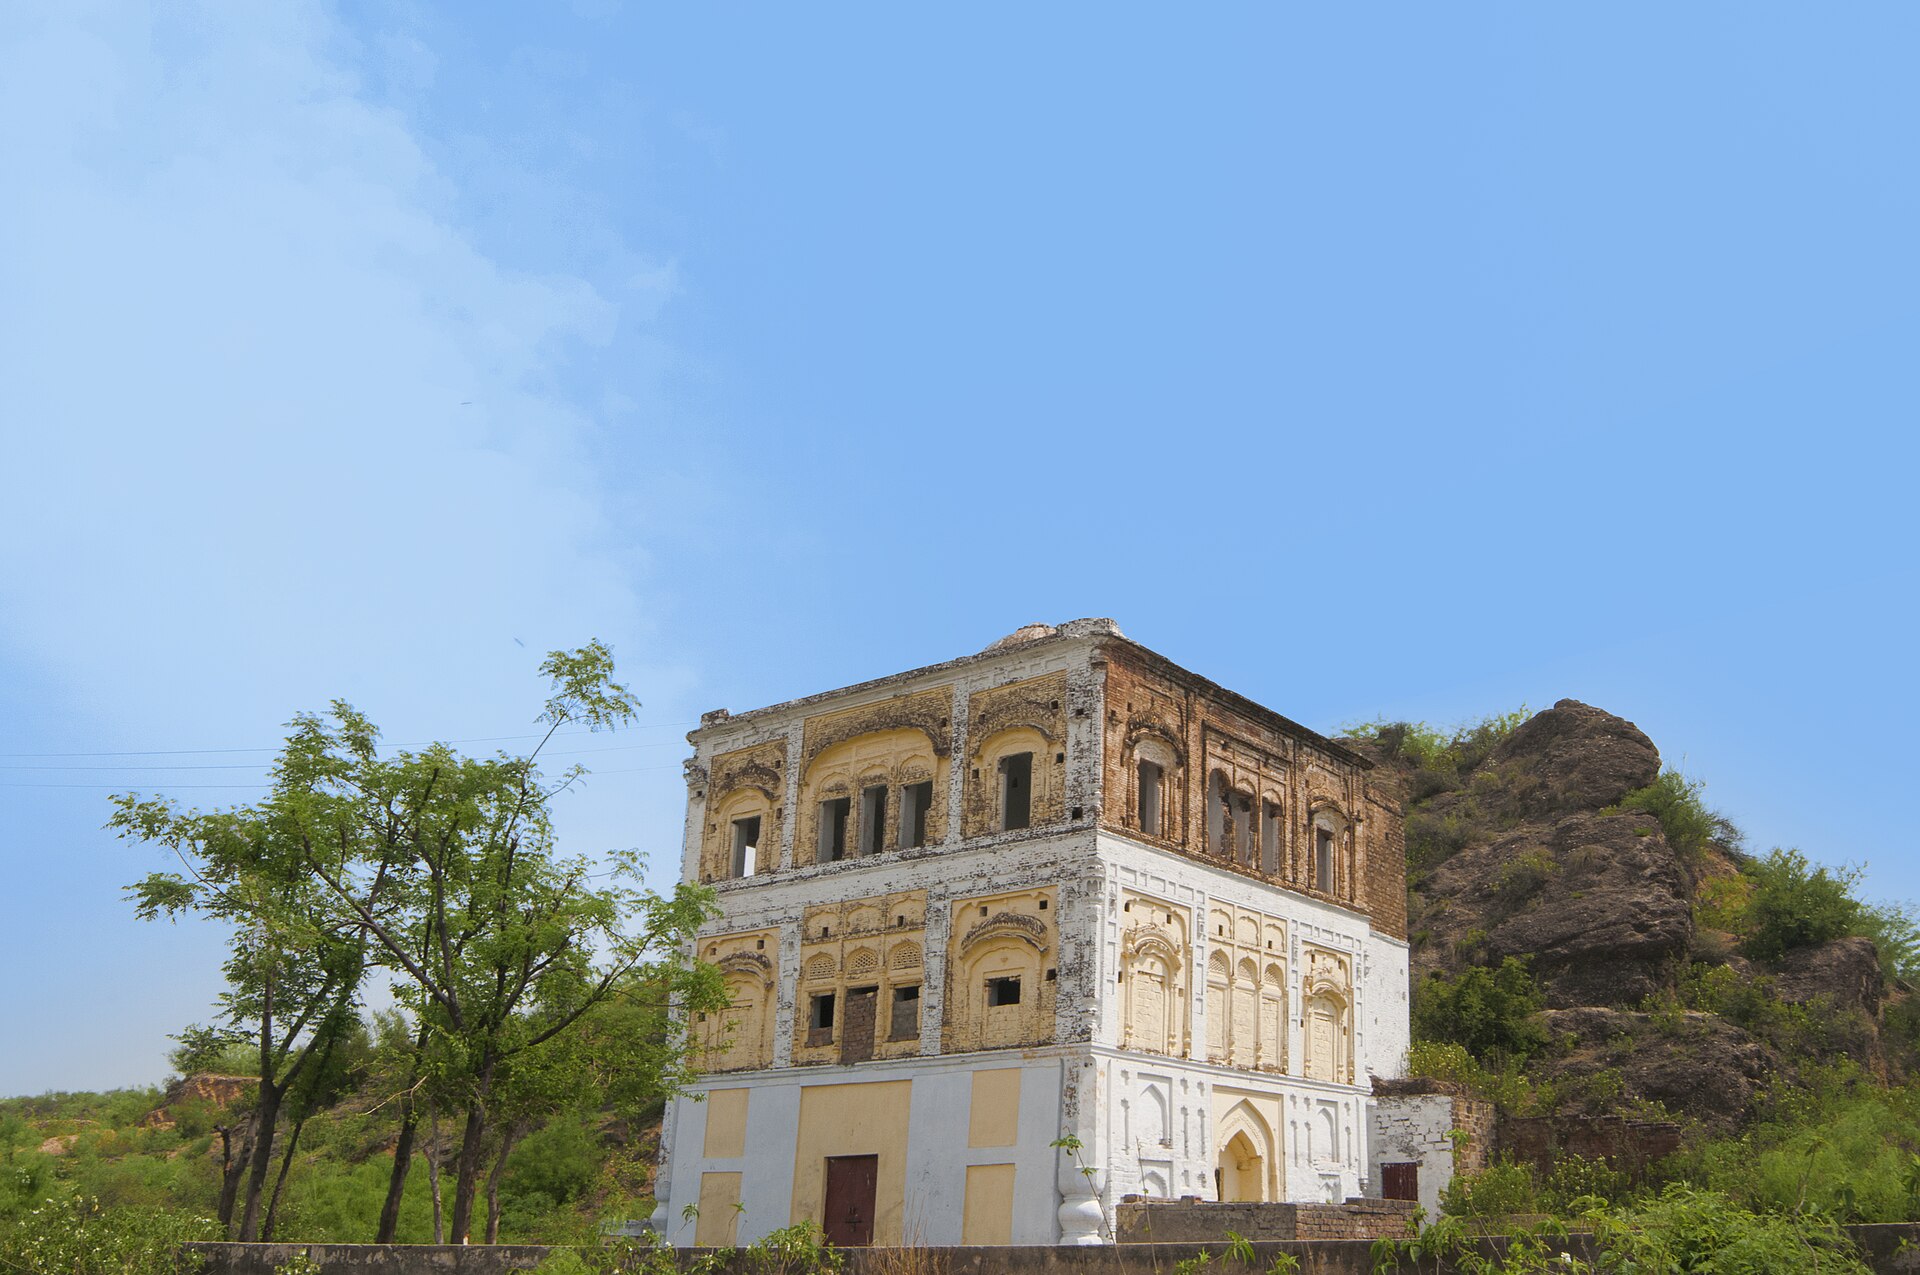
{"x":851,"y":1182}
{"x":1400,"y":1181}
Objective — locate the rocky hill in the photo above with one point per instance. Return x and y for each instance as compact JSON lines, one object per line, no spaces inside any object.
{"x":1558,"y":841}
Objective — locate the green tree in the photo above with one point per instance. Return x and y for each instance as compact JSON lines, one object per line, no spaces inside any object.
{"x":442,"y":868}
{"x":504,"y":944}
{"x":294,"y":968}
{"x":1490,"y":1012}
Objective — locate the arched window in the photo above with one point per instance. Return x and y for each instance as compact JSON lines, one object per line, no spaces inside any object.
{"x":1217,"y":814}
{"x":740,"y":1037}
{"x":1329,"y":832}
{"x":1243,"y":1031}
{"x":742,"y":836}
{"x":869,"y":795}
{"x":1273,"y":1019}
{"x":1219,"y":979}
{"x":1014,"y":782}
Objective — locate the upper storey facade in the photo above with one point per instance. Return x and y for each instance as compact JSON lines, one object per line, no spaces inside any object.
{"x":1050,"y":730}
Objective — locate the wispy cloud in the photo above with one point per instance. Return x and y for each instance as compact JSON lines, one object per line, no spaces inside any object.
{"x":275,"y":423}
{"x":275,"y":429}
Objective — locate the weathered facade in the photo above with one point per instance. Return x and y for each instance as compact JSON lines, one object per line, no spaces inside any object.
{"x":1060,"y":889}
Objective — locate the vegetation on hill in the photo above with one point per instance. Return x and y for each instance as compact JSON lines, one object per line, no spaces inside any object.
{"x":1757,"y":1000}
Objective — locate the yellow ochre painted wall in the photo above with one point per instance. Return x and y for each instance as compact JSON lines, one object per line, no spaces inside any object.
{"x":718,"y":1219}
{"x":993,"y":1118}
{"x":726,"y":1124}
{"x":1259,"y":1117}
{"x":988,"y":1212}
{"x":856,"y":1119}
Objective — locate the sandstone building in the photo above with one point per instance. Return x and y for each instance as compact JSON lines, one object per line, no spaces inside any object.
{"x":1062,"y":887}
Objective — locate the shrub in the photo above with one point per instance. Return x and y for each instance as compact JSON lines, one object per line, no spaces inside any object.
{"x":1489,"y":1012}
{"x":1675,"y":801}
{"x":1797,"y":905}
{"x":1895,"y":931}
{"x":1576,"y":1178}
{"x":1496,"y":1191}
{"x":1686,"y":1230}
{"x":79,"y":1237}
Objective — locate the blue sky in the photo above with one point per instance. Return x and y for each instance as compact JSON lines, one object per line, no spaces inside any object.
{"x":1418,"y":361}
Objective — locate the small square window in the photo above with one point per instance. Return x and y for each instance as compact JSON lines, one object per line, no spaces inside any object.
{"x":1003,"y":991}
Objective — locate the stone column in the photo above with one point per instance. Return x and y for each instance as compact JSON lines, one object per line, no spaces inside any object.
{"x":1082,"y":1217}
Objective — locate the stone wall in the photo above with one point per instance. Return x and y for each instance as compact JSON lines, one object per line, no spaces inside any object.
{"x":1890,"y":1249}
{"x":1200,"y":1221}
{"x":1629,"y":1146}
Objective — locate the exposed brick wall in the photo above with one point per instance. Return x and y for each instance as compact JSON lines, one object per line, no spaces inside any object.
{"x":1148,"y":697}
{"x":1386,"y":885}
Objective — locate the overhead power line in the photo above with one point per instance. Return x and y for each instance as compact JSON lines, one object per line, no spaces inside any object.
{"x":257,"y":765}
{"x":167,"y":787}
{"x":274,"y":748}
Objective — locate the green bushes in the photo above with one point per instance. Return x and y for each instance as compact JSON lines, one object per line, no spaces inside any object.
{"x":1689,"y":1230}
{"x":1832,"y":1142}
{"x":1795,"y":904}
{"x":1675,"y":801}
{"x":1441,"y":755}
{"x":80,"y":1236}
{"x":1499,"y":1190}
{"x":1489,"y":1012}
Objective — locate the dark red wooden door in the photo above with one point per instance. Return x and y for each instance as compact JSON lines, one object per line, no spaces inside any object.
{"x":1400,"y":1181}
{"x":851,"y":1182}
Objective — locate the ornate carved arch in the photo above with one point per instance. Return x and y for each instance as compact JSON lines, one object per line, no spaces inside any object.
{"x":1026,"y":929}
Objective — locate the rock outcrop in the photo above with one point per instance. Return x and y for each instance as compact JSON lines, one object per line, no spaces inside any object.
{"x":1597,"y":901}
{"x":1525,"y":853}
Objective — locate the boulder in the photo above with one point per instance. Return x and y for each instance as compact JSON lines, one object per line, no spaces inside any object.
{"x":1572,"y":757}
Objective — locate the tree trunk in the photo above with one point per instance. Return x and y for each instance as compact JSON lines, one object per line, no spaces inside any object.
{"x":280,"y":1181}
{"x":433,"y":1173}
{"x":233,"y":1168}
{"x":507,"y":1138}
{"x":402,"y":1150}
{"x":265,"y":1118}
{"x":472,"y":1145}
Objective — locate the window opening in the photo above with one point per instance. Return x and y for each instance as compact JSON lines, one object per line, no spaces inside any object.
{"x":1016,"y":791}
{"x":1150,"y":798}
{"x":1242,"y":828}
{"x":1323,"y":860}
{"x":906,"y":1014}
{"x":1216,"y":815}
{"x":1003,"y":991}
{"x":873,"y":819}
{"x":1270,"y":838}
{"x":915,"y":801}
{"x":820,"y":1019}
{"x":746,"y":840}
{"x":833,"y":828}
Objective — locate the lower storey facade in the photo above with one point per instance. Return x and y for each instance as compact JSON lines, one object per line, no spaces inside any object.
{"x":961,"y":1149}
